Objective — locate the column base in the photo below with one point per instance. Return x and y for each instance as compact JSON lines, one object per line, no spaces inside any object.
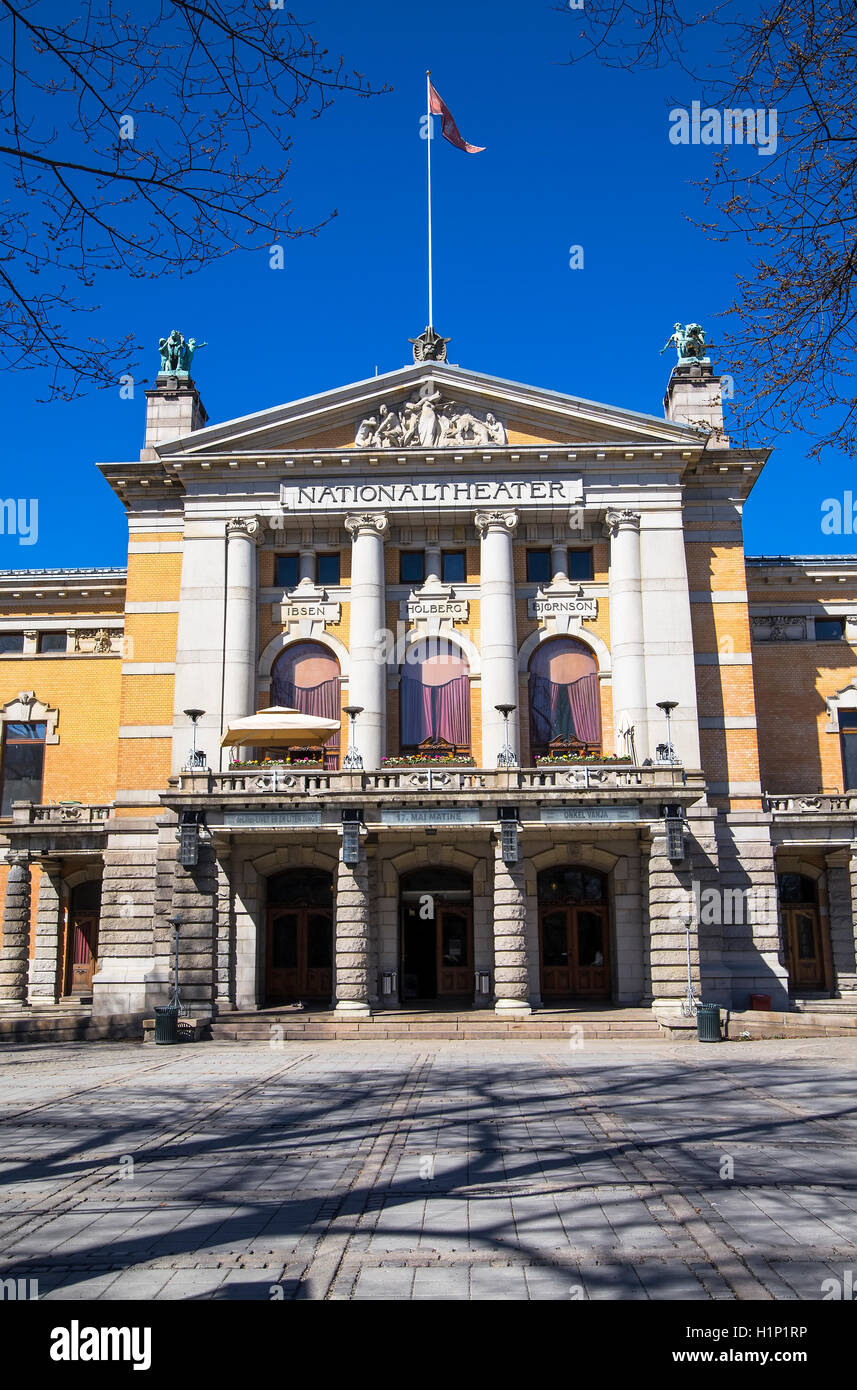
{"x":513,"y":1008}
{"x":352,"y":1008}
{"x":14,"y":1006}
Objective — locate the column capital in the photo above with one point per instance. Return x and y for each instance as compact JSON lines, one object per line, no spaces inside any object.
{"x":375,"y":523}
{"x":246,"y":527}
{"x":18,"y":858}
{"x":496,"y":521}
{"x":623,"y":519}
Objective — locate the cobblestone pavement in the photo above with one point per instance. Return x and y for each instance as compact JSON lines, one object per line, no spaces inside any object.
{"x":383,"y":1170}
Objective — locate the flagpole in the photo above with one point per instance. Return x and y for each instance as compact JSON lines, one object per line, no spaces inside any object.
{"x":429,"y":129}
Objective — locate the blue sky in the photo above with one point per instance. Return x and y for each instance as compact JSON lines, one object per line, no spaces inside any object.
{"x":574,"y":157}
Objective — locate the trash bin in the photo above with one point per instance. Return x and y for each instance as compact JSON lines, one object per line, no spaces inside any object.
{"x":166,"y":1025}
{"x":708,"y":1022}
{"x":760,"y":1001}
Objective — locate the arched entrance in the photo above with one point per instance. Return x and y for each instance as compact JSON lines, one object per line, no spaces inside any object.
{"x":802,"y":939}
{"x":299,"y":953}
{"x":574,"y":935}
{"x":84,"y":913}
{"x":436,"y":915}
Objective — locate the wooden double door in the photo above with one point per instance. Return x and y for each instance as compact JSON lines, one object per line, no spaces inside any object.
{"x":300,"y":954}
{"x":804,"y":949}
{"x":437,"y":951}
{"x":574,"y":951}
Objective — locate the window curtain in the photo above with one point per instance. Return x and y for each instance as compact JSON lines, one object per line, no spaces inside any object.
{"x":564,"y":711}
{"x":435,"y":711}
{"x":321,"y":700}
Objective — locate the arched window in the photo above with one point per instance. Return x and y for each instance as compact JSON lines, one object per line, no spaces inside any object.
{"x":435,"y":695}
{"x":565,"y":709}
{"x":306,"y":677}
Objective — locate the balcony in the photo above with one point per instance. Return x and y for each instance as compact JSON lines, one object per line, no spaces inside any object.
{"x":412,"y":796}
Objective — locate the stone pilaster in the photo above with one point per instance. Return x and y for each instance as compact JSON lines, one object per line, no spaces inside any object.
{"x":130,"y":978}
{"x":499,"y":636}
{"x":752,"y":947}
{"x":224,"y":985}
{"x":44,"y":964}
{"x":15,"y":946}
{"x":511,"y":963}
{"x":352,"y":945}
{"x":195,"y":898}
{"x":626,"y":628}
{"x":671,"y":907}
{"x":842,"y":897}
{"x":367,"y":680}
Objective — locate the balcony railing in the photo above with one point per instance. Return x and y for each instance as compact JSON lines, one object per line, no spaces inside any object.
{"x":64,"y":813}
{"x":823,"y":804}
{"x":415,"y":780}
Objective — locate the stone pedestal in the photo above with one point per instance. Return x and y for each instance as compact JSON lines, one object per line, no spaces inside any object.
{"x":352,"y":947}
{"x":367,"y":680}
{"x":499,"y":639}
{"x":44,"y":965}
{"x":14,"y":950}
{"x":511,"y":964}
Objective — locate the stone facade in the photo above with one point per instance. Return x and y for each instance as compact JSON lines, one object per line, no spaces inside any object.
{"x":722,"y":855}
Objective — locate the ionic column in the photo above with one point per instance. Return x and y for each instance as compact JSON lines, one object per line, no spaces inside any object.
{"x":14,"y":950}
{"x":626,"y":627}
{"x":44,"y":965}
{"x":367,"y":681}
{"x":239,"y":677}
{"x":499,"y":639}
{"x":511,"y":963}
{"x":352,"y":954}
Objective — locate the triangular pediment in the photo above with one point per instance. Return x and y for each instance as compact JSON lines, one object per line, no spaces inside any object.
{"x":429,"y":406}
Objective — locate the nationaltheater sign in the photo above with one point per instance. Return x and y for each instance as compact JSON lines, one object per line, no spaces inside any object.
{"x":436,"y":493}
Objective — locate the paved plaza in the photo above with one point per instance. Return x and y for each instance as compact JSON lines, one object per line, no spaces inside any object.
{"x":430,"y":1170}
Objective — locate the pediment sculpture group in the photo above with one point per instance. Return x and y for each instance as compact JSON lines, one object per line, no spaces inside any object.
{"x":429,"y":423}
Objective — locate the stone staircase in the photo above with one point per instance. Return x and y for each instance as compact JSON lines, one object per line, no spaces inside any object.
{"x":290,"y":1025}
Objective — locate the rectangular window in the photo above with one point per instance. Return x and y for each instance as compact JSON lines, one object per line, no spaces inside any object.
{"x":11,"y":642}
{"x":848,"y":744}
{"x":23,"y":764}
{"x":829,"y":629}
{"x":580,"y":564}
{"x":454,"y":567}
{"x":539,"y":566}
{"x":286,"y":571}
{"x":327,"y":569}
{"x":52,"y":642}
{"x":412,"y":567}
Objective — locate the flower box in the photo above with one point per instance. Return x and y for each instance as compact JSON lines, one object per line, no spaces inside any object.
{"x":579,"y":759}
{"x":428,"y":760}
{"x":269,"y":764}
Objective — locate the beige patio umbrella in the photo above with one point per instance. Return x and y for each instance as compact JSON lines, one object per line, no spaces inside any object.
{"x":279,"y":727}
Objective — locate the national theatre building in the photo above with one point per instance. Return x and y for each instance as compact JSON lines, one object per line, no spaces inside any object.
{"x":432,"y":691}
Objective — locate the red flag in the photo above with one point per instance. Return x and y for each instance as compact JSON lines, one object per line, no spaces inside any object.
{"x":449,"y":129}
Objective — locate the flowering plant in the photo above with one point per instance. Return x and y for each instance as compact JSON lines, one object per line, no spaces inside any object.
{"x":266,"y":764}
{"x":429,"y":760}
{"x":561,"y":759}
